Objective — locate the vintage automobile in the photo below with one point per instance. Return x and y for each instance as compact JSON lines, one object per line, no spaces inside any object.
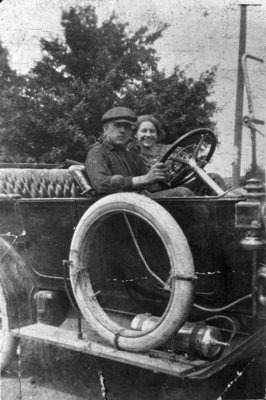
{"x":176,"y":285}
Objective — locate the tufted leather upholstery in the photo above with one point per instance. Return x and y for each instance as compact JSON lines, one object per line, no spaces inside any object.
{"x":34,"y":183}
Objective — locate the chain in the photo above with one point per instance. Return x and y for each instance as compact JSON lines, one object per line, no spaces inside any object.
{"x":219,"y":272}
{"x":209,"y":273}
{"x":238,"y":375}
{"x":146,"y":277}
{"x":127,"y":280}
{"x":101,"y":379}
{"x":102,"y":384}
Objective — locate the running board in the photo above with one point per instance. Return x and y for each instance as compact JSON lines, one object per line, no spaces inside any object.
{"x":68,"y":339}
{"x":157,"y":361}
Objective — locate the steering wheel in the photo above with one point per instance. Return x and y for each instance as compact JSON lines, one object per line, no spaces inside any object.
{"x":190,"y":151}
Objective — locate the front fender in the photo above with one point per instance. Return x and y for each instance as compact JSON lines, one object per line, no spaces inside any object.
{"x":18,"y":287}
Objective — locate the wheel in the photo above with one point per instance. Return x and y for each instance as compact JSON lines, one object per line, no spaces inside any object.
{"x":8,"y":344}
{"x":126,"y":220}
{"x":195,"y":148}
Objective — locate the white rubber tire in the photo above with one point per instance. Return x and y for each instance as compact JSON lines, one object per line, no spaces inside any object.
{"x":8,"y":343}
{"x":180,"y":260}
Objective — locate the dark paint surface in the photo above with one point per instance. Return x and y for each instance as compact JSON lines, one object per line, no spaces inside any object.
{"x":223,"y":268}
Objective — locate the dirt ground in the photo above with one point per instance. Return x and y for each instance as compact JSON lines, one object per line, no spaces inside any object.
{"x":49,"y":372}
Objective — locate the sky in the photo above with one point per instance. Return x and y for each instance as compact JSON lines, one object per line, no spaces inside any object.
{"x":201,"y":34}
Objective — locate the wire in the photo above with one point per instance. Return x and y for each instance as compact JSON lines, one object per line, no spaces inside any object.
{"x":158,"y":279}
{"x":230,"y":320}
{"x":214,"y":310}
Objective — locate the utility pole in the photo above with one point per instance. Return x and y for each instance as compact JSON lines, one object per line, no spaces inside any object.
{"x":239,"y":95}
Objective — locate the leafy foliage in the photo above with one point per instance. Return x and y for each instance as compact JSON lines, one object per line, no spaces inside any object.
{"x":11,"y":106}
{"x":180,"y":103}
{"x":55,"y":111}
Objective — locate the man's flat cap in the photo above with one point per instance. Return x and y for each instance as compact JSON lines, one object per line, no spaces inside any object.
{"x":121,"y":114}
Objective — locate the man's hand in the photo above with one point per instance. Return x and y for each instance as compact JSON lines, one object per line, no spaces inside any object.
{"x":156,"y":173}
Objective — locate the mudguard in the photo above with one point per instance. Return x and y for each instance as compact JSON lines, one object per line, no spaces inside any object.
{"x":17,"y":287}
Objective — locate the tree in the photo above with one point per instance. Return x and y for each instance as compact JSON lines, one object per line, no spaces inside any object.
{"x":180,"y":103}
{"x":10,"y":107}
{"x":95,"y":68}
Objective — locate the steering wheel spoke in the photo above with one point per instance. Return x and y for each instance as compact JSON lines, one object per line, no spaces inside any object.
{"x":198,"y":146}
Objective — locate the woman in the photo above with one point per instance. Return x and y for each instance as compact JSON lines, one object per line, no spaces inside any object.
{"x":149,"y":132}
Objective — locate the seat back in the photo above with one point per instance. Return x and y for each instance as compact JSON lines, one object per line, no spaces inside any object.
{"x":37,"y":183}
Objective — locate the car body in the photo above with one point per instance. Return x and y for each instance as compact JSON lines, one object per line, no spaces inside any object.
{"x":200,"y":287}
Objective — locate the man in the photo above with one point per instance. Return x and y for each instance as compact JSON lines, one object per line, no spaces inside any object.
{"x":112,"y":168}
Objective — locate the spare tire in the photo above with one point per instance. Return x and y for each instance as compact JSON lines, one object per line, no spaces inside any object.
{"x":180,"y":261}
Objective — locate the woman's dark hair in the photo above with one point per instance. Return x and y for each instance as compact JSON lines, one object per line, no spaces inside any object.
{"x":148,"y":117}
